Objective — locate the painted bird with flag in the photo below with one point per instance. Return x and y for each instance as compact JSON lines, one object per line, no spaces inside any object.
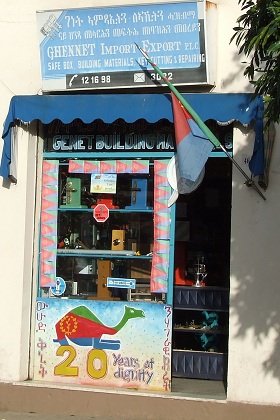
{"x":193,"y":146}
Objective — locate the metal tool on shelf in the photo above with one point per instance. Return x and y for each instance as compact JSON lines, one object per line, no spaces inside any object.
{"x":139,"y":194}
{"x":72,"y":194}
{"x":200,"y":272}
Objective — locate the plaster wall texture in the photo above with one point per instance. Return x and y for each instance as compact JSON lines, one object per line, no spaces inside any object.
{"x":254,"y":372}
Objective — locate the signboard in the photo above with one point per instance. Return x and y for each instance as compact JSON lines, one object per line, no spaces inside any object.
{"x":121,"y":137}
{"x":101,"y":343}
{"x":59,"y":288}
{"x":121,"y":283}
{"x":94,"y":48}
{"x":101,"y":213}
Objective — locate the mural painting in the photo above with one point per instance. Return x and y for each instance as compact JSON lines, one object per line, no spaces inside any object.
{"x":102,"y":343}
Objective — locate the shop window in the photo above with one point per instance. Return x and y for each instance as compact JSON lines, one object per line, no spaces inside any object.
{"x":105,"y":223}
{"x":99,"y":231}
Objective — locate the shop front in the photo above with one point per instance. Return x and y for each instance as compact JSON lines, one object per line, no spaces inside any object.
{"x":106,"y":252}
{"x":132,"y":288}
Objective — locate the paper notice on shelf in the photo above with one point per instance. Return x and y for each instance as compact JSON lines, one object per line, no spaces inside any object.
{"x":103,"y":183}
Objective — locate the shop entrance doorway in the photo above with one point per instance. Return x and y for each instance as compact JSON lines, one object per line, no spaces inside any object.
{"x":201,"y":280}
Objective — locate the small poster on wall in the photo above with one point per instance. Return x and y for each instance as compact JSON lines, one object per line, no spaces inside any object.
{"x":103,"y":183}
{"x":103,"y":343}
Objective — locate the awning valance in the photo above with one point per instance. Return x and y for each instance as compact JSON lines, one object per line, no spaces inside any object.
{"x":130,"y":107}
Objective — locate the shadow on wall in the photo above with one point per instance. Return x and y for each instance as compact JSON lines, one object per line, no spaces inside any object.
{"x":255,"y":302}
{"x":256,"y":305}
{"x":234,"y":75}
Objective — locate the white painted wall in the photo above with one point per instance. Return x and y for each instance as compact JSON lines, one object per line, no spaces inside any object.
{"x":254,"y":371}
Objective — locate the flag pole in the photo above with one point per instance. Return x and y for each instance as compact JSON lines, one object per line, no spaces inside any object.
{"x":249,"y":182}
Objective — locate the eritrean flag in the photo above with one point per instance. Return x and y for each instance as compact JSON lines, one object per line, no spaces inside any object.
{"x":257,"y":162}
{"x":193,"y":147}
{"x":81,"y":323}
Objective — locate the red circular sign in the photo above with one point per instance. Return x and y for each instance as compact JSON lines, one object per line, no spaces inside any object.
{"x":101,"y":213}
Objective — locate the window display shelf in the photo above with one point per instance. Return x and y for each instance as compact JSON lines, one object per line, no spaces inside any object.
{"x":101,"y":254}
{"x":199,"y":365}
{"x":200,"y":333}
{"x":198,"y":298}
{"x":90,"y":210}
{"x":200,"y":330}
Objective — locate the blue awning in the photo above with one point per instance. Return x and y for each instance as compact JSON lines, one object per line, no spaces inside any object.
{"x":130,"y":107}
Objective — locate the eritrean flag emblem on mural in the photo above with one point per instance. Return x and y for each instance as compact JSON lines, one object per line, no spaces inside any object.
{"x":82,"y":327}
